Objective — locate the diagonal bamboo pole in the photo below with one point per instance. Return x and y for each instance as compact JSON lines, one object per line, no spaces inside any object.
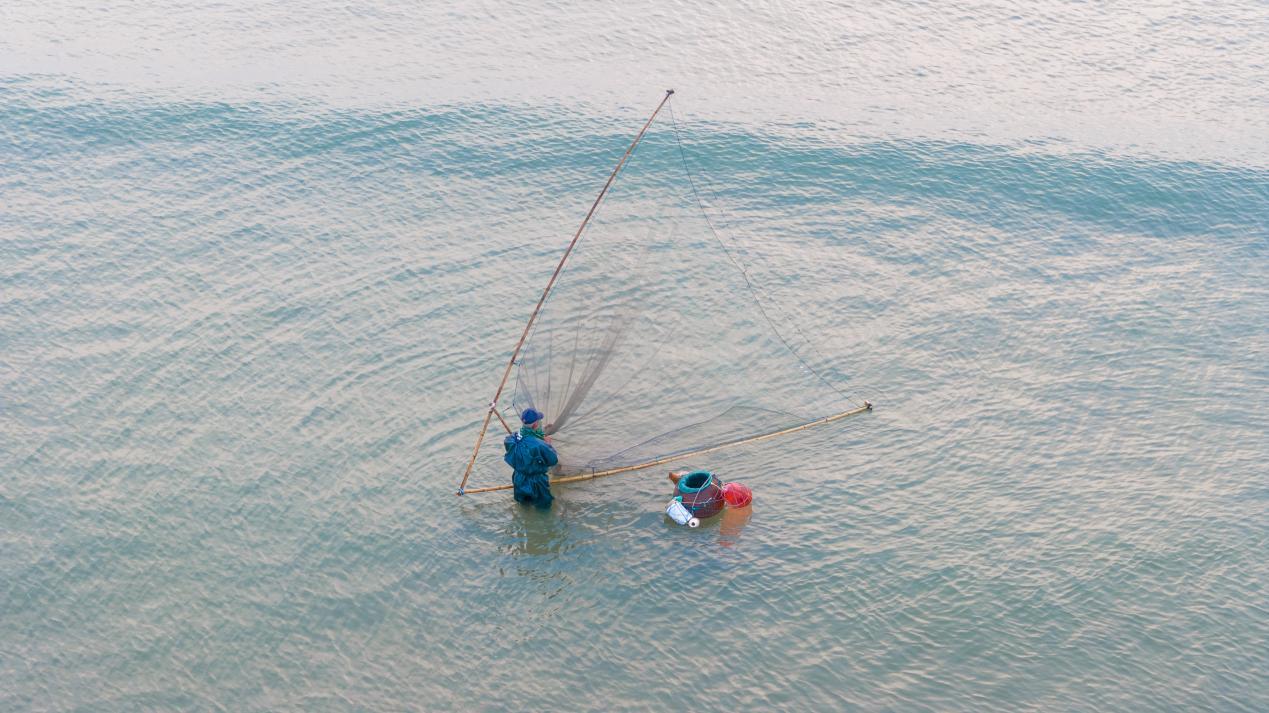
{"x":502,"y":420}
{"x":666,"y":459}
{"x":493,"y":405}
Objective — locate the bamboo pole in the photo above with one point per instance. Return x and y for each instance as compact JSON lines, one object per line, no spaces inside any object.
{"x":503,"y":421}
{"x":493,"y":405}
{"x":666,"y":459}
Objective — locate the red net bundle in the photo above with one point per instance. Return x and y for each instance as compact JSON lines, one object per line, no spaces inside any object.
{"x":737,"y":495}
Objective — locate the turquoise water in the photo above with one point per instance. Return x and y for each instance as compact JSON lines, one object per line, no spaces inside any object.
{"x":260,"y":268}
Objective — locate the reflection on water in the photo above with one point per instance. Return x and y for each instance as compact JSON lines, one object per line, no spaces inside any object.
{"x":731,"y":523}
{"x":537,"y":531}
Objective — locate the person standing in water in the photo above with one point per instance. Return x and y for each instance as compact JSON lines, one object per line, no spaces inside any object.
{"x":530,"y":456}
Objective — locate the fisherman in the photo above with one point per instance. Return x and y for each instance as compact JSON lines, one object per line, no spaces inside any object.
{"x":530,"y":456}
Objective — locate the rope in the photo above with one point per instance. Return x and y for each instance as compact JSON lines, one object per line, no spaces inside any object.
{"x":745,"y":273}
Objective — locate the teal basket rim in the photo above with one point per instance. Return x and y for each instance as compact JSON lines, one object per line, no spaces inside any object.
{"x":683,"y":488}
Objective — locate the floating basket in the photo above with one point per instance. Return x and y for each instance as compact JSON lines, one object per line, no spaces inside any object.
{"x":702,"y":493}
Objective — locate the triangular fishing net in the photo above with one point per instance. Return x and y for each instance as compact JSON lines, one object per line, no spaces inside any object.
{"x":652,"y":343}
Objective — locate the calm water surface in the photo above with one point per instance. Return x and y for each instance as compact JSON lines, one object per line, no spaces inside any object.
{"x":260,"y":266}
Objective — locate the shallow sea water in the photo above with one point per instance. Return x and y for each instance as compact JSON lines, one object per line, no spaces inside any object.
{"x":261,"y":265}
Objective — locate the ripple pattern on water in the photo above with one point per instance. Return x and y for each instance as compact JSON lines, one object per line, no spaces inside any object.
{"x":244,"y":347}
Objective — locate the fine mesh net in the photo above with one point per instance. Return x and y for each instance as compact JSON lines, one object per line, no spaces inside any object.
{"x":652,"y":343}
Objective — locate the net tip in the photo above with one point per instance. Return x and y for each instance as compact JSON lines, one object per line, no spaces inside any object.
{"x":868,"y":405}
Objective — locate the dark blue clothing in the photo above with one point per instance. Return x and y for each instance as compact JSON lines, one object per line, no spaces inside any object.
{"x":530,"y":457}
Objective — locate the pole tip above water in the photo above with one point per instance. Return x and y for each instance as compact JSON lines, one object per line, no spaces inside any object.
{"x":669,"y":91}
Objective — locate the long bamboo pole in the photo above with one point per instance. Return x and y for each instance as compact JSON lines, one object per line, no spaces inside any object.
{"x":493,"y":405}
{"x":666,"y":459}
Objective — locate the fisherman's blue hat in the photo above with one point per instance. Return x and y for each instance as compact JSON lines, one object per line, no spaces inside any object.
{"x":531,"y":416}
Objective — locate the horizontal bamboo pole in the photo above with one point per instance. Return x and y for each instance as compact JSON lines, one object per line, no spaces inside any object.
{"x":666,"y":459}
